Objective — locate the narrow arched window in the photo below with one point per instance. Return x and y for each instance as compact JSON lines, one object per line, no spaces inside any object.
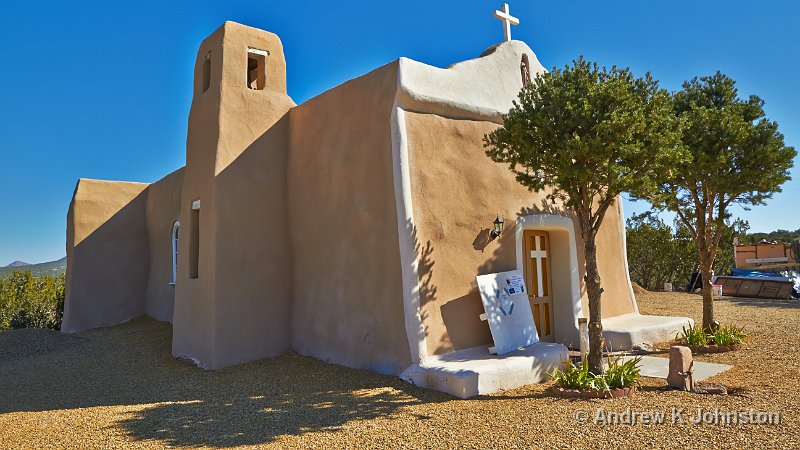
{"x":207,"y":72}
{"x":175,"y":229}
{"x":525,"y":68}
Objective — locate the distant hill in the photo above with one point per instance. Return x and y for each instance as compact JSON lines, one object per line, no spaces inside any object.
{"x":49,"y":268}
{"x":18,"y":264}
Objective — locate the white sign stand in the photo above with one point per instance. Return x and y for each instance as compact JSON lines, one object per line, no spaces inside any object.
{"x":505,"y":300}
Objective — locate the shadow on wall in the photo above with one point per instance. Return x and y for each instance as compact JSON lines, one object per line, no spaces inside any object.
{"x":249,"y":404}
{"x":251,"y":271}
{"x":99,"y":293}
{"x":461,"y":315}
{"x":426,"y":289}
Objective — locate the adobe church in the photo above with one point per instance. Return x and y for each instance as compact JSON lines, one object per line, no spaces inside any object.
{"x":349,"y":228}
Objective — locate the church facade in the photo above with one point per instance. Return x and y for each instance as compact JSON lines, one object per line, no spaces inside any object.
{"x":349,"y":228}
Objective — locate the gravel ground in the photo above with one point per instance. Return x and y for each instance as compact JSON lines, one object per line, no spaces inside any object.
{"x":120,"y":387}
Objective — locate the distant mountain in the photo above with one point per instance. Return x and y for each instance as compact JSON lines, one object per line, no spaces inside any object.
{"x":48,"y":268}
{"x":18,"y":264}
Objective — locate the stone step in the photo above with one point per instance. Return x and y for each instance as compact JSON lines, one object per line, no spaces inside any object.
{"x":474,"y":371}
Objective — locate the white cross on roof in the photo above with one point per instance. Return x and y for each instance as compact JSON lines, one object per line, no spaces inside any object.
{"x":507,"y":19}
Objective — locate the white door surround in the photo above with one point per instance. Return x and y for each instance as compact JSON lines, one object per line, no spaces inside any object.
{"x":566,"y":288}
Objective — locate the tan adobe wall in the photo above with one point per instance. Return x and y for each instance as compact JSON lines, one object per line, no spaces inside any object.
{"x":107,"y":254}
{"x":347,"y":300}
{"x":194,"y":301}
{"x":163,"y":209}
{"x":253,"y":289}
{"x":456,"y":192}
{"x":237,"y":309}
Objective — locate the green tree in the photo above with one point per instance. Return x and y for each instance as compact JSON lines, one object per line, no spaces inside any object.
{"x":584,"y":135}
{"x":31,"y":302}
{"x":651,"y":252}
{"x":738,"y":157}
{"x":784,"y":236}
{"x":686,"y":249}
{"x":726,"y":258}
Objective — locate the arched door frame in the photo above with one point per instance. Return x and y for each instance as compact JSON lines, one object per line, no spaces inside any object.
{"x":566,"y":288}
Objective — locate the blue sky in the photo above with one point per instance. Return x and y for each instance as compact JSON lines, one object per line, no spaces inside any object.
{"x":102,"y":89}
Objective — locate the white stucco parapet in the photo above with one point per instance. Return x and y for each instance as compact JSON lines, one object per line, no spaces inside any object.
{"x":479,"y":89}
{"x":483,"y":88}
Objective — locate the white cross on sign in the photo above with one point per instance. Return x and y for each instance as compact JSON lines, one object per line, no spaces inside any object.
{"x":538,"y":254}
{"x":507,"y":19}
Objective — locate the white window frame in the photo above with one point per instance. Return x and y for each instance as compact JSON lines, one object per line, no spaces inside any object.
{"x":174,"y":240}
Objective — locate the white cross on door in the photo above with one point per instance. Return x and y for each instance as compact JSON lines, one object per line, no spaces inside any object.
{"x":538,"y":254}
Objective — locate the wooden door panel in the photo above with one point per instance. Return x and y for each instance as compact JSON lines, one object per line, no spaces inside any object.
{"x":538,"y":277}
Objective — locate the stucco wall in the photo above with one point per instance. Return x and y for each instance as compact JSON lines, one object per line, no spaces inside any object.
{"x":253,"y":279}
{"x":456,"y":192}
{"x":237,"y":309}
{"x":347,"y":299}
{"x":617,"y":296}
{"x":163,"y":209}
{"x":193,"y":316}
{"x":107,"y":254}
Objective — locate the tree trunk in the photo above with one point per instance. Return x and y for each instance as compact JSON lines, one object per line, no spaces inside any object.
{"x":708,"y":299}
{"x":594,"y":292}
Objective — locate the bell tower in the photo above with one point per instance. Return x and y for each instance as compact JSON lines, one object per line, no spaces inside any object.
{"x":235,"y":158}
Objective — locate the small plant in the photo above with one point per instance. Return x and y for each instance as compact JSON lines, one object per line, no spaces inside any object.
{"x":571,"y":376}
{"x":622,"y":374}
{"x":578,"y":377}
{"x":728,"y":335}
{"x":694,"y":336}
{"x":724,"y":336}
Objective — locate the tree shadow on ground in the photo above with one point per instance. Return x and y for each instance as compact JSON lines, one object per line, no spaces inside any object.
{"x":176,"y":404}
{"x":244,"y":419}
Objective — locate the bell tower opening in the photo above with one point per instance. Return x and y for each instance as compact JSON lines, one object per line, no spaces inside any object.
{"x":256,"y":68}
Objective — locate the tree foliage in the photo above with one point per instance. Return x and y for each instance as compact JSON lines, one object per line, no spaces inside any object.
{"x":658,"y":253}
{"x":583,"y":135}
{"x":784,"y":236}
{"x":737,"y":157}
{"x":31,"y":302}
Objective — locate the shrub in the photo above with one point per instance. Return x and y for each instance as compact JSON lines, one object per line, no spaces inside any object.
{"x":31,"y":302}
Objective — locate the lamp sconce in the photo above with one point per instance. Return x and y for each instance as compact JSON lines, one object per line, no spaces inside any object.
{"x":497,"y":227}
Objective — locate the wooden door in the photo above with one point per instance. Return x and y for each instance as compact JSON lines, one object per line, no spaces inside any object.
{"x":538,"y":278}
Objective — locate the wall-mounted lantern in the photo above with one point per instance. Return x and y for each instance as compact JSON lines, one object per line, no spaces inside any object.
{"x":497,"y":226}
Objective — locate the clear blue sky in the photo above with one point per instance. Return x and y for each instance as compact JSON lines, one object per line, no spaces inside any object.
{"x":102,"y":89}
